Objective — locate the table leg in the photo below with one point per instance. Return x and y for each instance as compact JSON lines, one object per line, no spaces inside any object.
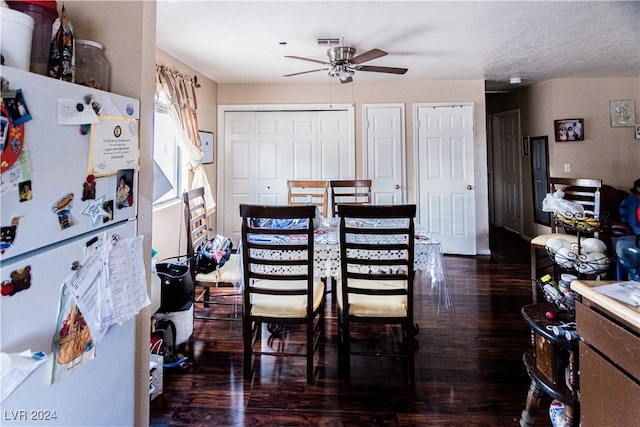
{"x":533,"y":401}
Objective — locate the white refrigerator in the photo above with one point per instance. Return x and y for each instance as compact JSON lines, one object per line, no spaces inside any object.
{"x":69,"y":181}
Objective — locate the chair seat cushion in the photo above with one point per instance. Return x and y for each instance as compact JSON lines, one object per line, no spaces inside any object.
{"x":542,"y":239}
{"x":376,"y":306}
{"x":230,"y":272}
{"x":291,"y":306}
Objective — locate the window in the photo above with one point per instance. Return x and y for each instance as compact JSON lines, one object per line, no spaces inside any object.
{"x":167,"y":157}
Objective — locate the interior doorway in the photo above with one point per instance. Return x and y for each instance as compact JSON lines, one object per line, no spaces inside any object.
{"x":506,"y":171}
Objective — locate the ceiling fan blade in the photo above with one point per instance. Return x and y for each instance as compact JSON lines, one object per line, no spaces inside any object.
{"x":308,"y":59}
{"x":390,"y":70}
{"x":347,"y":80}
{"x":367,"y":56}
{"x":305,"y":72}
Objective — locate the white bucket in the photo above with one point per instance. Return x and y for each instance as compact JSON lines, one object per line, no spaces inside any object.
{"x":15,"y":38}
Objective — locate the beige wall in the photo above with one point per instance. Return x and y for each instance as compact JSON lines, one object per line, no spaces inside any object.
{"x":127,"y":32}
{"x":397,"y":90}
{"x":608,"y":153}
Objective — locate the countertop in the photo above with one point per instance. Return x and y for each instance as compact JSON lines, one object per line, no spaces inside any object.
{"x":626,"y":312}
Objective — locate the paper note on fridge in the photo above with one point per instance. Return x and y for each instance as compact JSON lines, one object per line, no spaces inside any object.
{"x":72,"y":112}
{"x":114,"y":145}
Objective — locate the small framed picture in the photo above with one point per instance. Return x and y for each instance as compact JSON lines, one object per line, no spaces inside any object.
{"x":622,"y":113}
{"x":17,"y":108}
{"x":569,"y":130}
{"x":525,"y":146}
{"x":4,"y":131}
{"x":638,"y":131}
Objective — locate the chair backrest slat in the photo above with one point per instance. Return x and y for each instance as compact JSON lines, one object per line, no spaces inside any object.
{"x":355,"y":191}
{"x":583,"y":191}
{"x":301,"y":192}
{"x":377,"y":244}
{"x":277,"y":245}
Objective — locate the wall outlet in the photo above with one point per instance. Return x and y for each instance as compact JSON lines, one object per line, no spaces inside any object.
{"x":567,"y":167}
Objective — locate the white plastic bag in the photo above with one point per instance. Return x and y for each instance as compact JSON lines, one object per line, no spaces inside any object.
{"x":556,"y":203}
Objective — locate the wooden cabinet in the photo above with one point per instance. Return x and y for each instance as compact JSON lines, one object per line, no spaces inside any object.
{"x":609,"y":358}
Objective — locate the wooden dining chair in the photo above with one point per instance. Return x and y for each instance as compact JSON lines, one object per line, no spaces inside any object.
{"x":355,"y":191}
{"x":195,"y":217}
{"x":585,"y":192}
{"x":279,"y":284}
{"x":377,"y":261}
{"x":301,"y":192}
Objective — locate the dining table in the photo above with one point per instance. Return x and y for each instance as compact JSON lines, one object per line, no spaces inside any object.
{"x":429,"y":265}
{"x":429,"y":262}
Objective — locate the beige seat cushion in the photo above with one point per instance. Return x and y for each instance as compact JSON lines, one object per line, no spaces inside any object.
{"x":284,"y":306}
{"x":542,"y":239}
{"x":376,"y":306}
{"x":230,"y":272}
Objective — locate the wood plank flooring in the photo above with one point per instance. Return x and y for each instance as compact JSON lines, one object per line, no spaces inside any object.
{"x":469,"y":370}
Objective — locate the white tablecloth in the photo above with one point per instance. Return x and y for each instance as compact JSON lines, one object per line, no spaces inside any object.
{"x":428,"y":262}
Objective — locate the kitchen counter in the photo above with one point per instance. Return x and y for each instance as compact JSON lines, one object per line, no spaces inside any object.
{"x":629,"y":314}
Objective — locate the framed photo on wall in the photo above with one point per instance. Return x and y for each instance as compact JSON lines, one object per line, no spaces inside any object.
{"x":622,"y":113}
{"x":569,"y":130}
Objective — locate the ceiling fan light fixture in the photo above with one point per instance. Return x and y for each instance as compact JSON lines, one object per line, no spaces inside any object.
{"x":341,"y":72}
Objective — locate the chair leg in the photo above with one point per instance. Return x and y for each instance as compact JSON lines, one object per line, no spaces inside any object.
{"x":205,"y":297}
{"x":310,"y":352}
{"x":411,"y":350}
{"x":346,"y":347}
{"x":534,"y":264}
{"x":247,"y":332}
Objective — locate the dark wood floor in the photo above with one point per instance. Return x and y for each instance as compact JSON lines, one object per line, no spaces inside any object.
{"x":468,"y":366}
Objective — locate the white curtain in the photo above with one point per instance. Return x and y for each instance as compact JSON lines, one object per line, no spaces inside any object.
{"x":181,"y":93}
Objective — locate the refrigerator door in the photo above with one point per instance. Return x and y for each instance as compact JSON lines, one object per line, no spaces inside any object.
{"x":61,"y":185}
{"x":101,"y":391}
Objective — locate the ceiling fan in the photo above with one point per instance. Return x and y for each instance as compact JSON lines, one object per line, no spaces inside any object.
{"x":343,"y":65}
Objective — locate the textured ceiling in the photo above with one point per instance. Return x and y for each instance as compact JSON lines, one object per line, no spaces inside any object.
{"x":239,"y":41}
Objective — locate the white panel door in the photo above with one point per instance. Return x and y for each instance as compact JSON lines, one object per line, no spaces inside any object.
{"x":238,"y":174}
{"x":262,"y":150}
{"x":445,"y":176}
{"x":336,"y":159}
{"x":273,"y":159}
{"x":384,"y":132}
{"x":303,"y":137}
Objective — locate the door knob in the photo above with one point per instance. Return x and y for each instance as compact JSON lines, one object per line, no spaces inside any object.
{"x":396,"y":186}
{"x":469,"y":187}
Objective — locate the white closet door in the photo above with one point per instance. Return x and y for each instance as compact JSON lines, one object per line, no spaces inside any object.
{"x":237,"y":170}
{"x":262,"y":150}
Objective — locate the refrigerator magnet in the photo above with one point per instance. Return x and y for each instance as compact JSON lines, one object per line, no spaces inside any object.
{"x":20,"y":280}
{"x":95,"y":209}
{"x":8,"y":234}
{"x":62,"y":208}
{"x":13,"y":140}
{"x":89,"y":188}
{"x":17,"y":108}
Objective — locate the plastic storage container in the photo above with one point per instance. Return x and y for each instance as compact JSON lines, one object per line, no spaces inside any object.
{"x":44,"y":13}
{"x":92,"y":69}
{"x":16,"y":38}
